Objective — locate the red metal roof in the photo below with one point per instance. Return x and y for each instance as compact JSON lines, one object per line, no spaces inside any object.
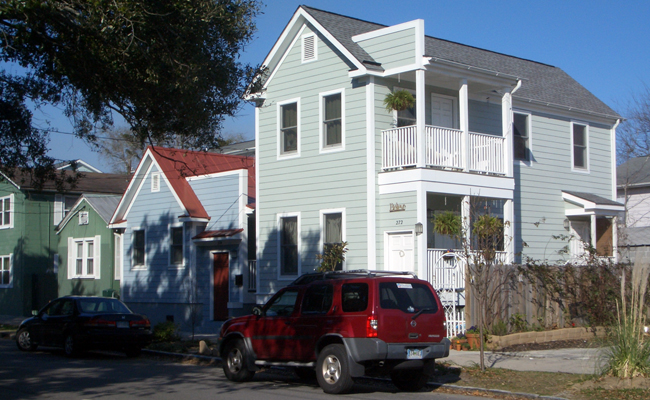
{"x":178,"y":164}
{"x":218,"y":233}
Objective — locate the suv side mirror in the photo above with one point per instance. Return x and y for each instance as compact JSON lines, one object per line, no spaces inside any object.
{"x":257,"y":311}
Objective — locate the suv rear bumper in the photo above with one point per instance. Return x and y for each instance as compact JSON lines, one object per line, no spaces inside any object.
{"x":370,"y":349}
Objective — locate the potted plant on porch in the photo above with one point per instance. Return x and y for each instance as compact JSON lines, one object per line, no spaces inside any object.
{"x":473,"y":336}
{"x":399,"y":100}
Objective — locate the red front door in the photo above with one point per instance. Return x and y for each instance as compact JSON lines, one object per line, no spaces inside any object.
{"x":220,"y":295}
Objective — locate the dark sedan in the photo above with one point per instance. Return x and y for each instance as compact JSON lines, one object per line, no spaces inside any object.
{"x":79,"y":323}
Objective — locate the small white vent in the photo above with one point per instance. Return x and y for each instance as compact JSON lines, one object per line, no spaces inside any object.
{"x":83,"y":218}
{"x":155,"y":182}
{"x":309,"y":48}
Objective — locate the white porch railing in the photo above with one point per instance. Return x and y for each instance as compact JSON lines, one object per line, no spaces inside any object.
{"x":443,"y":149}
{"x":487,"y":153}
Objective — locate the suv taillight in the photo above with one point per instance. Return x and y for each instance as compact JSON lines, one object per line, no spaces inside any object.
{"x":371,"y":326}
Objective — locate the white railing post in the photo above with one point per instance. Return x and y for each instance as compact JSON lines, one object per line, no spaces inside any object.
{"x":420,"y":114}
{"x":464,"y":121}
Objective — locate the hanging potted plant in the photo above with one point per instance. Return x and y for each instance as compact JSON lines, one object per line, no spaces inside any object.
{"x":399,"y":100}
{"x":447,"y":223}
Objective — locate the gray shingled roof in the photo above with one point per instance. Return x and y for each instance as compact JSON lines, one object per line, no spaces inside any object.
{"x":541,"y":82}
{"x":635,"y":171}
{"x":601,"y":201}
{"x":105,"y":205}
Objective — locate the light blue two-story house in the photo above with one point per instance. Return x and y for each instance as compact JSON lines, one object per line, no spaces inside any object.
{"x":488,"y":132}
{"x":183,"y":226}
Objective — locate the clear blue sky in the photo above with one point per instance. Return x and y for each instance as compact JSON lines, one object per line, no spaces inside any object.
{"x":604,"y":45}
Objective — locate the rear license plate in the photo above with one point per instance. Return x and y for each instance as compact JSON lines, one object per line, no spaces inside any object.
{"x":414,"y":354}
{"x":122,"y":324}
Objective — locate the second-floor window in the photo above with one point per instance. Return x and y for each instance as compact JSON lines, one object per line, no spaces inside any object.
{"x":176,"y":247}
{"x":138,"y":248}
{"x":579,"y":141}
{"x":332,"y":120}
{"x":6,"y":212}
{"x":521,"y":137}
{"x":288,"y":246}
{"x":289,"y":128}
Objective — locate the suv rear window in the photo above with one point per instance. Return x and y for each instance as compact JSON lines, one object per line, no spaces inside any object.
{"x":408,"y":297}
{"x":354,"y":297}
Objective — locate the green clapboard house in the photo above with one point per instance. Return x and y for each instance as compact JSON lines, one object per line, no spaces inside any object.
{"x":28,"y":236}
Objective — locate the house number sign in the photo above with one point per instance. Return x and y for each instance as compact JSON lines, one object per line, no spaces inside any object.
{"x":397,"y":207}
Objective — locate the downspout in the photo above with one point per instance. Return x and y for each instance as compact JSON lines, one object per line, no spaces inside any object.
{"x":615,"y":196}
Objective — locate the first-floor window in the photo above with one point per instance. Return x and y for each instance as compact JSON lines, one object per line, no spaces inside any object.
{"x":333,"y":233}
{"x":82,"y":257}
{"x":5,"y":271}
{"x":289,"y":246}
{"x":138,"y":248}
{"x":176,"y":246}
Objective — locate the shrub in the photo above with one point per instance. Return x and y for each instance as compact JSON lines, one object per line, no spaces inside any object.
{"x":499,"y":328}
{"x":165,"y":332}
{"x":518,"y":323}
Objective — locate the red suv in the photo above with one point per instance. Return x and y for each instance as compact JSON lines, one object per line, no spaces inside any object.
{"x":342,"y":325}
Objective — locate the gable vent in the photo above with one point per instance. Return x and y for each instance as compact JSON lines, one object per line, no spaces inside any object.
{"x":83,"y":218}
{"x":155,"y":182}
{"x":309,"y":48}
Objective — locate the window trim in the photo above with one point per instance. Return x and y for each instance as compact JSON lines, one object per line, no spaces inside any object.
{"x":118,"y":258}
{"x":279,"y":218}
{"x":323,"y":148}
{"x":135,"y":266}
{"x":582,"y":170}
{"x":529,"y":127}
{"x":12,"y":214}
{"x":280,"y":154}
{"x":72,"y":257}
{"x":9,"y":285}
{"x":304,"y":60}
{"x":329,"y":211}
{"x":171,"y":237}
{"x":155,"y":179}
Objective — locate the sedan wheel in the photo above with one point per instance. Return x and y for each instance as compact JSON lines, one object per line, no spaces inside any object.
{"x":24,"y":341}
{"x":70,"y":347}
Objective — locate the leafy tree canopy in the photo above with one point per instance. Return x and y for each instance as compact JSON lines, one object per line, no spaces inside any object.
{"x":170,"y":68}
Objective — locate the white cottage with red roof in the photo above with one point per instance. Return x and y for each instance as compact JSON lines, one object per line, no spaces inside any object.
{"x":183,"y":227}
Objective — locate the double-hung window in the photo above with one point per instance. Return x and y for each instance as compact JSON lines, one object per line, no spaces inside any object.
{"x":83,"y":257}
{"x":579,"y":143}
{"x":521,"y":137}
{"x":332,"y":232}
{"x":5,"y":271}
{"x":332,"y":120}
{"x":6,"y":212}
{"x":289,"y":129}
{"x":289,"y":255}
{"x":138,"y":246}
{"x":176,"y":246}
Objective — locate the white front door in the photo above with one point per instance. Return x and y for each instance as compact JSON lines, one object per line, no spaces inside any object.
{"x":442,"y":111}
{"x":400,"y":247}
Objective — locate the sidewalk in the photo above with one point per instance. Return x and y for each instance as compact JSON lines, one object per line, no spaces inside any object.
{"x":573,"y":361}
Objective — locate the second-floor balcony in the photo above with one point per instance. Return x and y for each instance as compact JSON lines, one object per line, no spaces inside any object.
{"x":445,"y":148}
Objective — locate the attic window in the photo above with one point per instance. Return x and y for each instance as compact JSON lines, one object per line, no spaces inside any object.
{"x":155,"y":182}
{"x":83,"y":218}
{"x":309,"y":49}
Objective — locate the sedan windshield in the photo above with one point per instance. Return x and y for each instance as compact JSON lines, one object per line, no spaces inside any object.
{"x":99,"y":306}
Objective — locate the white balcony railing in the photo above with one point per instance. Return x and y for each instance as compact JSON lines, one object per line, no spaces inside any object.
{"x":443,"y":150}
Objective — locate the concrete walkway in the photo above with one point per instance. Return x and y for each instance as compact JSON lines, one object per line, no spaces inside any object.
{"x":574,"y":361}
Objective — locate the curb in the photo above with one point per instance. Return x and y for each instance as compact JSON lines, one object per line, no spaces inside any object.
{"x":8,"y":334}
{"x":451,"y":388}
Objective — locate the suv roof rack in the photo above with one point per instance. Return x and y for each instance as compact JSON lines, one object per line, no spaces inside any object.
{"x":357,"y":273}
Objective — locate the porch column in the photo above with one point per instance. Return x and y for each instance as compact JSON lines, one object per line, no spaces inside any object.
{"x":506,"y":118}
{"x":420,"y":114}
{"x":509,"y":231}
{"x":615,"y":238}
{"x":463,"y":111}
{"x":593,"y":231}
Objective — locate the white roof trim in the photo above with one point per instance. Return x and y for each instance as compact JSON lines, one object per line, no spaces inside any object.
{"x":589,"y":207}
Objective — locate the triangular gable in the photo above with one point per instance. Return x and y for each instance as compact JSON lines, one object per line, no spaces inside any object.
{"x":176,"y":165}
{"x":99,"y":203}
{"x":588,"y":204}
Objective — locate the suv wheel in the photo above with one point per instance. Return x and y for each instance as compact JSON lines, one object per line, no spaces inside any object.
{"x":333,"y":370}
{"x":409,"y":380}
{"x":234,"y":362}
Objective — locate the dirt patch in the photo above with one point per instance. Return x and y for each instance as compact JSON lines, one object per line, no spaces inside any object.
{"x":558,"y":344}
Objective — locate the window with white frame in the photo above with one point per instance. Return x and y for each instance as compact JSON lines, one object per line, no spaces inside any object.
{"x":138,"y":247}
{"x":332,"y":119}
{"x":7,"y":212}
{"x":118,"y":257}
{"x":176,"y":246}
{"x":68,"y":203}
{"x":309,"y":48}
{"x":289,"y":254}
{"x":332,"y":232}
{"x":289,"y":115}
{"x":83,"y":218}
{"x":521,"y":136}
{"x":579,"y":144}
{"x":5,"y":271}
{"x":83,"y":258}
